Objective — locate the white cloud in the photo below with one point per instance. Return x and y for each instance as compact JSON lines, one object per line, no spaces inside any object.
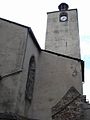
{"x":85,"y":46}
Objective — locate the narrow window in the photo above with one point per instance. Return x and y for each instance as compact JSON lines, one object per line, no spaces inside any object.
{"x":30,"y":80}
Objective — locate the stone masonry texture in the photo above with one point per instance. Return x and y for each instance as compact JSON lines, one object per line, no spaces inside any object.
{"x":63,"y":37}
{"x":70,"y":107}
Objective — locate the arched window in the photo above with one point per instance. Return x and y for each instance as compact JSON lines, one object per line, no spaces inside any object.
{"x":30,"y":80}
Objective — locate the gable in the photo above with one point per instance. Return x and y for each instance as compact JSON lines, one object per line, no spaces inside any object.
{"x":13,"y":42}
{"x":12,"y":47}
{"x":69,"y":107}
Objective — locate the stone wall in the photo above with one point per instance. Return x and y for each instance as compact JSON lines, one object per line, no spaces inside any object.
{"x":56,"y":74}
{"x":17,"y":46}
{"x":63,"y":37}
{"x":12,"y":116}
{"x":12,"y":49}
{"x":70,"y":107}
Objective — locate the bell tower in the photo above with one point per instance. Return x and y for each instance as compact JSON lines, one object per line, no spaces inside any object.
{"x":62,"y":34}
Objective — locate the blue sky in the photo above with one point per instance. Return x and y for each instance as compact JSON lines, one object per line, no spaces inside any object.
{"x":85,"y":53}
{"x":33,"y":13}
{"x":85,"y":50}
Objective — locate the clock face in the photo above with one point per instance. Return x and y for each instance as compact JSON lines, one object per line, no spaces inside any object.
{"x":63,"y":18}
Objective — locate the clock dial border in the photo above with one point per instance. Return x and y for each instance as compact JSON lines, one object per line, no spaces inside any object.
{"x":63,"y":14}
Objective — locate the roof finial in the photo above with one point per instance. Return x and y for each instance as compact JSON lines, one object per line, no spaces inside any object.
{"x":63,"y":7}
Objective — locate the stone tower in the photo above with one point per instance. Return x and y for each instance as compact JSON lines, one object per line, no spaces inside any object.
{"x":62,"y":34}
{"x":59,"y":84}
{"x":38,"y":84}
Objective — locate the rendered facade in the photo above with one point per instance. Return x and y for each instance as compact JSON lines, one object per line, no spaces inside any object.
{"x":38,"y":84}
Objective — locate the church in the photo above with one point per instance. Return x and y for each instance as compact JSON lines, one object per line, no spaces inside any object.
{"x":38,"y":84}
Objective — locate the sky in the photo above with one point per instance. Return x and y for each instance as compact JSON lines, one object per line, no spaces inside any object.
{"x":33,"y":13}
